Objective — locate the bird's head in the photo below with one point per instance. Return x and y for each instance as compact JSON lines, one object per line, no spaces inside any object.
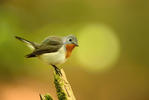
{"x":71,"y":39}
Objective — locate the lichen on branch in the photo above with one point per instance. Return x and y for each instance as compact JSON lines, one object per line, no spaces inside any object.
{"x":63,"y":88}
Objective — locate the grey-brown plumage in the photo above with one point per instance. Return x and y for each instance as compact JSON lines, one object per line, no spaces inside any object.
{"x":49,"y":45}
{"x":35,"y":45}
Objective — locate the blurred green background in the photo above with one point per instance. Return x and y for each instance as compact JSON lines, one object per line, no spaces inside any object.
{"x":111,"y":62}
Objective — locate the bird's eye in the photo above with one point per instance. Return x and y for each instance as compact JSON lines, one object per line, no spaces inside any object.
{"x":70,"y":40}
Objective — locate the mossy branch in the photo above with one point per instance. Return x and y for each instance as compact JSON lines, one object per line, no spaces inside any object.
{"x":63,"y":88}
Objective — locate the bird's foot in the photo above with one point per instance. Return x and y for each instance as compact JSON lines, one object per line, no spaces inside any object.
{"x":57,"y":70}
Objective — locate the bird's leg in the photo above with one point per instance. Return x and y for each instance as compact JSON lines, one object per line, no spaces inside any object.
{"x":57,"y":70}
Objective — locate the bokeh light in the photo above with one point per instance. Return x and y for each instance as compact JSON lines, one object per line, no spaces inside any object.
{"x":99,"y":47}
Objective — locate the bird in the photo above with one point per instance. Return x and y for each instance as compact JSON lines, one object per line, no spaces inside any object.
{"x":53,"y":50}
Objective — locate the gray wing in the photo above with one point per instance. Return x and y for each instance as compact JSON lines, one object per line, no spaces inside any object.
{"x":49,"y":45}
{"x":52,"y":40}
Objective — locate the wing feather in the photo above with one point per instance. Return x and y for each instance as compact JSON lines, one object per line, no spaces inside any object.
{"x":49,"y":45}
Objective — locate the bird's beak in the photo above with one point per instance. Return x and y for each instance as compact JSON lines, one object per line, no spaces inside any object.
{"x":76,"y":44}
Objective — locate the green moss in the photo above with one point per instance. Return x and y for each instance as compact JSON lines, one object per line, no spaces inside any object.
{"x":48,"y":97}
{"x":60,"y":89}
{"x":45,"y":97}
{"x":58,"y":84}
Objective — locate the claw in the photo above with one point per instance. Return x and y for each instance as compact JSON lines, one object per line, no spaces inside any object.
{"x":57,"y":70}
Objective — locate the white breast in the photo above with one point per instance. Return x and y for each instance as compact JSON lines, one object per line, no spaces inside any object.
{"x":54,"y":58}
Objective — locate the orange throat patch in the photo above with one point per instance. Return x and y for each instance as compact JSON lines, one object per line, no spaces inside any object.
{"x":69,"y":48}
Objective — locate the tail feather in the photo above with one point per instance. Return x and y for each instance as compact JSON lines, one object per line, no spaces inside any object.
{"x":23,"y":40}
{"x":30,"y":44}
